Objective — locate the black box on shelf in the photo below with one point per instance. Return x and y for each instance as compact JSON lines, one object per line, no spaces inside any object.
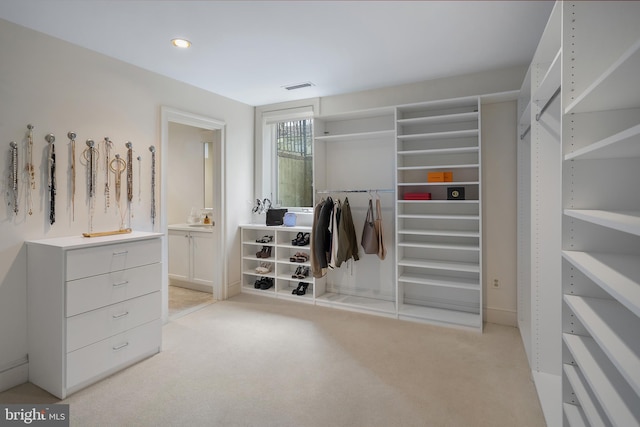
{"x":455,"y":193}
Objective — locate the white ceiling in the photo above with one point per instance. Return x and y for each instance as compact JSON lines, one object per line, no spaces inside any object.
{"x":248,"y":50}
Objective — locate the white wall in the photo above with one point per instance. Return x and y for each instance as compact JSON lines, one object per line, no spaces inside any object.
{"x":499,"y":171}
{"x":60,"y":87}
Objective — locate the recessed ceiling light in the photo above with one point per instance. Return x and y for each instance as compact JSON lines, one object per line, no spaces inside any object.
{"x":182,"y":43}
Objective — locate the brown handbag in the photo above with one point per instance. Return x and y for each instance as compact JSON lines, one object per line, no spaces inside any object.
{"x":369,"y":241}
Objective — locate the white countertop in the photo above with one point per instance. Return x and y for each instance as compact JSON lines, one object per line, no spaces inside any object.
{"x":73,"y":242}
{"x":191,"y":227}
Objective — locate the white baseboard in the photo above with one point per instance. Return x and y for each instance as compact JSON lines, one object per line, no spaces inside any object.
{"x":14,"y":373}
{"x":190,"y":285}
{"x":501,"y":316}
{"x":234,"y":289}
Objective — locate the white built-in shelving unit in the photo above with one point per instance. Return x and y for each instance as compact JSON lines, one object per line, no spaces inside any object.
{"x":282,"y":269}
{"x":539,"y":204}
{"x":439,"y":263}
{"x":601,"y":214}
{"x":364,"y":138}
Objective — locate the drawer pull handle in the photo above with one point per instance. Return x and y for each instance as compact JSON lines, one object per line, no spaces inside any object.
{"x":120,"y":284}
{"x":117,"y":316}
{"x":120,"y":253}
{"x":119,"y":347}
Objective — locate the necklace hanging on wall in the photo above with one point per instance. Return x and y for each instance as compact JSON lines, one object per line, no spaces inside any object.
{"x":72,"y":144}
{"x":108,"y":144}
{"x":117,"y":166}
{"x":30,"y":169}
{"x":153,"y":184}
{"x":139,"y":179}
{"x":51,"y":177}
{"x":129,"y":146}
{"x":14,"y":175}
{"x":90,"y":156}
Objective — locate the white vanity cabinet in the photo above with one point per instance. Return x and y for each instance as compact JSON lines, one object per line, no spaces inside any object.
{"x":94,"y":307}
{"x":191,"y":255}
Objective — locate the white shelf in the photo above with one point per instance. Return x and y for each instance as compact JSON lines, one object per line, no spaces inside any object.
{"x":575,"y":415}
{"x":253,"y":273}
{"x":332,"y":299}
{"x":456,"y":150}
{"x":443,"y":216}
{"x":617,"y":274}
{"x":588,"y":402}
{"x":439,"y":315}
{"x":439,"y":232}
{"x":616,"y":88}
{"x":627,"y":221}
{"x":436,"y":184}
{"x":439,"y":246}
{"x":466,"y":267}
{"x":621,"y":145}
{"x":439,"y":135}
{"x":440,"y":202}
{"x":359,"y":136}
{"x":616,"y":397}
{"x":442,"y":281}
{"x":445,"y":118}
{"x":437,"y":167}
{"x":615,"y":329}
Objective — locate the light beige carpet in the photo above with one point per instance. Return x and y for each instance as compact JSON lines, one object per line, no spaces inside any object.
{"x":257,"y":361}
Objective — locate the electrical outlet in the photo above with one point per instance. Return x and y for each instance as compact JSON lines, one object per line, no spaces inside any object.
{"x":496,"y":283}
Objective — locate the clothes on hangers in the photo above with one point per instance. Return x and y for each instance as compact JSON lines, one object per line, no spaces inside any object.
{"x":322,"y":235}
{"x":333,"y":230}
{"x":314,"y":248}
{"x":347,"y":240}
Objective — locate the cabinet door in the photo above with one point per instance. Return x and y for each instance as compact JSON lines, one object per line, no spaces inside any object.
{"x":179,"y":245}
{"x":202,"y":255}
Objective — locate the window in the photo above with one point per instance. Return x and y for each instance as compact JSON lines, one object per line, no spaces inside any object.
{"x":284,"y":153}
{"x":293,"y":162}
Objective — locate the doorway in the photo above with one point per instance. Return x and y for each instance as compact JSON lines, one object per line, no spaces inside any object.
{"x":193,"y":179}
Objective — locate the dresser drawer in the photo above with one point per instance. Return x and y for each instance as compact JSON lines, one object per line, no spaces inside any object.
{"x":93,"y":326}
{"x":87,"y":294}
{"x":96,"y":359}
{"x":92,"y":261}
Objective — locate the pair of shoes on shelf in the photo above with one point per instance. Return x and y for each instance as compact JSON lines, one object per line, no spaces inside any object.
{"x":263,"y":283}
{"x":301,"y":289}
{"x":300,"y":257}
{"x":265,"y":239}
{"x":302,"y":239}
{"x":264,"y":253}
{"x":301,"y":272}
{"x":263,"y":268}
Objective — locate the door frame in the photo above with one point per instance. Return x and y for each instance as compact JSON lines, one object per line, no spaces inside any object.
{"x":173,"y":115}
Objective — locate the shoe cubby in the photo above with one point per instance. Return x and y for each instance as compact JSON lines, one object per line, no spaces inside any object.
{"x":288,"y":258}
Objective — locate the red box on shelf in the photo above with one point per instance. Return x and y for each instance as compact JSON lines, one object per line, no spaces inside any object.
{"x":417,"y":196}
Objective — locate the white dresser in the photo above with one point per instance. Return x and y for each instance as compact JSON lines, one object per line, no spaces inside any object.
{"x":94,"y":307}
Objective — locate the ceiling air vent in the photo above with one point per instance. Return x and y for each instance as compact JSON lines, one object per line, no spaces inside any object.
{"x":298,"y":86}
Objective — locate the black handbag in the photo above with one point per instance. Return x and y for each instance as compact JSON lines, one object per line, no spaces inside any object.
{"x":275,"y":216}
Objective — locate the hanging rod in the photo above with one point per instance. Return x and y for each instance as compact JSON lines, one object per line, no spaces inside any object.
{"x":547,"y":104}
{"x":379,"y":190}
{"x":526,"y":131}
